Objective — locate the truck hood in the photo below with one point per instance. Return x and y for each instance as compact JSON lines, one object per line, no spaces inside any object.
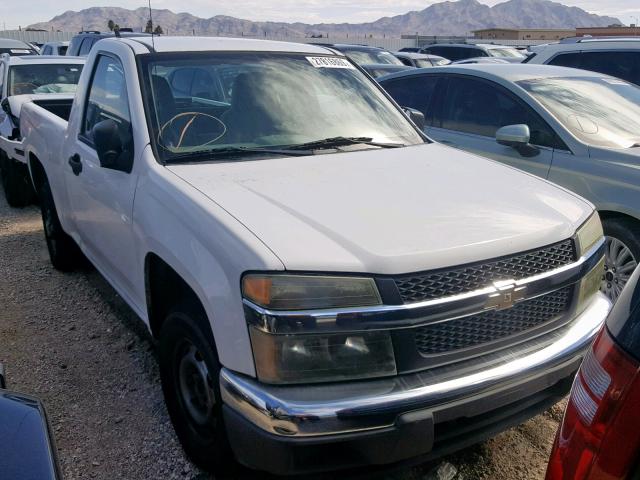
{"x":389,"y":211}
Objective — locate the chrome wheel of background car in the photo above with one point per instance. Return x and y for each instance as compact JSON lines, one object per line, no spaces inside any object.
{"x":619,"y":265}
{"x":196,"y":385}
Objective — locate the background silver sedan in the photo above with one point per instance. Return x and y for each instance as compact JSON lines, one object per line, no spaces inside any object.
{"x":576,"y":128}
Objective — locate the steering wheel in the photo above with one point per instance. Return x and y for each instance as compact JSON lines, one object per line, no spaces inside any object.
{"x":20,"y":85}
{"x":192,"y":118}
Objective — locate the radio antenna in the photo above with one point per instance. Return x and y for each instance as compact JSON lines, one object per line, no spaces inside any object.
{"x":153,"y":43}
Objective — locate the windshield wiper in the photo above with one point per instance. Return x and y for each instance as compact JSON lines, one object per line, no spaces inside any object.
{"x":213,"y":154}
{"x":334,"y":142}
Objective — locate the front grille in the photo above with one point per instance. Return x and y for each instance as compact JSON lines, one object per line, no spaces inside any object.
{"x":443,"y":283}
{"x":493,"y":325}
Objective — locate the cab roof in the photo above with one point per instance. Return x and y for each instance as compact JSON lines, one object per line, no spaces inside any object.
{"x":212,"y":44}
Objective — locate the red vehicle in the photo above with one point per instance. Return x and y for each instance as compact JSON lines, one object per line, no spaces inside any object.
{"x":599,"y":437}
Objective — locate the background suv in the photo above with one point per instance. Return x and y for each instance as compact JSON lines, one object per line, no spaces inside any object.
{"x":618,"y":57}
{"x":462,"y":51}
{"x":81,"y":44}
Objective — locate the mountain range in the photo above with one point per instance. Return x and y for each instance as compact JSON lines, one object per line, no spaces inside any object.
{"x":445,"y":18}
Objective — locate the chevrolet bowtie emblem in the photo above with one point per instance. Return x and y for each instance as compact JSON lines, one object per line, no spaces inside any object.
{"x":506,"y":294}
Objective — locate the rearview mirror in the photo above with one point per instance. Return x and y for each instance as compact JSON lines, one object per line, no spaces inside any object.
{"x":416,"y":117}
{"x":517,"y":137}
{"x":113,"y":145}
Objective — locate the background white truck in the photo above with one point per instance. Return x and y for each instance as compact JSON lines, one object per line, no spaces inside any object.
{"x":328,"y":287}
{"x":49,"y":82}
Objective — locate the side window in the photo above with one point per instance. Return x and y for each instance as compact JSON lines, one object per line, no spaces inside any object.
{"x":85,"y":48}
{"x":571,"y":60}
{"x":406,"y":61}
{"x":415,"y":91}
{"x":107,"y":97}
{"x":442,"y":51}
{"x":624,"y":65}
{"x":481,"y":108}
{"x":47,"y":50}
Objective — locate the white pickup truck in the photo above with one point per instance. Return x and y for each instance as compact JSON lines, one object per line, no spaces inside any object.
{"x":45,"y":80}
{"x":328,"y":287}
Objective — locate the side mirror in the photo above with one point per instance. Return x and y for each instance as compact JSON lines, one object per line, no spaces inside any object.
{"x":517,"y":137}
{"x":114,"y":151}
{"x":416,"y":117}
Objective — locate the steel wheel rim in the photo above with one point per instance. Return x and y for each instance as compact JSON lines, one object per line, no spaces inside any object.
{"x":619,"y":265}
{"x":195,"y":386}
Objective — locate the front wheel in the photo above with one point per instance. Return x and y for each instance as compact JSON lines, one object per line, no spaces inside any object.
{"x":189,"y":370}
{"x":622,"y":254}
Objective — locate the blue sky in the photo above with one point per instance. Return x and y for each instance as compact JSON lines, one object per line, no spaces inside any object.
{"x":13,"y":13}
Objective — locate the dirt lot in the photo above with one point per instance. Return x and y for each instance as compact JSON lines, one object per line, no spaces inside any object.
{"x":69,"y":339}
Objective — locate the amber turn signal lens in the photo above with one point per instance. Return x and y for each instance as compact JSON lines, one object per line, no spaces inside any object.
{"x":257,"y":289}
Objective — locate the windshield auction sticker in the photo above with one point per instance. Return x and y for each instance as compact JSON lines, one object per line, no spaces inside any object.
{"x":330,"y":62}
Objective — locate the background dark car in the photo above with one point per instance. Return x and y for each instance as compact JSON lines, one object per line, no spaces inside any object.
{"x":599,"y":437}
{"x":27,"y":449}
{"x":463,"y":51}
{"x":81,"y":44}
{"x":365,"y":55}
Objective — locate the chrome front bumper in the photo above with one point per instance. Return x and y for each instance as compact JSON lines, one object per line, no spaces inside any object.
{"x":321,"y":410}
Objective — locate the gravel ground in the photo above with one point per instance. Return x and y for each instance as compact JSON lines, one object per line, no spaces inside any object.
{"x":69,"y":339}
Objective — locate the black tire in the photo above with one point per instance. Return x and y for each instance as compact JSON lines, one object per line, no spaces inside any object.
{"x":627,"y":231}
{"x":63,"y":251}
{"x":203,"y":439}
{"x":16,"y":183}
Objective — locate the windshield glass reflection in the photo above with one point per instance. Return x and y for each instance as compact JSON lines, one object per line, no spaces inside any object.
{"x":603,"y":112}
{"x":217,"y":101}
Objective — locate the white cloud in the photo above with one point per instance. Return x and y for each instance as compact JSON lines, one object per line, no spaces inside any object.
{"x":14,"y":12}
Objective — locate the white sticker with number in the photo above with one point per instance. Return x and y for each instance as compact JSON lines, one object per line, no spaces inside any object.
{"x":330,"y":62}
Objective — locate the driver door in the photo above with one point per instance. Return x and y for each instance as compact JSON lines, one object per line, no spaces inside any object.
{"x":102,"y":198}
{"x":471,"y":112}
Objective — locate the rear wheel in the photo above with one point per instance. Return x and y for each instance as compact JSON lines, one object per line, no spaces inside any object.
{"x":63,"y":251}
{"x":16,"y":183}
{"x":622,"y":254}
{"x":190,"y":371}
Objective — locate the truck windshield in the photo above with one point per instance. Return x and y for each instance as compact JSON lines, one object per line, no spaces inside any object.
{"x":43,"y":78}
{"x":603,"y":112}
{"x":220,"y":102}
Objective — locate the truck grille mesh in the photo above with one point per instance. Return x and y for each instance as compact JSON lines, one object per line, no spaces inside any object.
{"x":493,"y":325}
{"x":443,"y":283}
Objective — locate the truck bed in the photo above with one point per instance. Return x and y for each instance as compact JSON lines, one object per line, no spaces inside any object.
{"x":55,"y":108}
{"x":59,"y":107}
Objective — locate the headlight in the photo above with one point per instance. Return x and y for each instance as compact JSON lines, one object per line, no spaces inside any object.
{"x":322,"y":358}
{"x":589,"y":233}
{"x":307,"y":292}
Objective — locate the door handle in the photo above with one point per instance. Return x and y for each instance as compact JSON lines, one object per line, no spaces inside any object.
{"x":76,"y":164}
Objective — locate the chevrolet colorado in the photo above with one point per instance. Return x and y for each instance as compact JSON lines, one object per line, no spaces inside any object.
{"x":328,"y":287}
